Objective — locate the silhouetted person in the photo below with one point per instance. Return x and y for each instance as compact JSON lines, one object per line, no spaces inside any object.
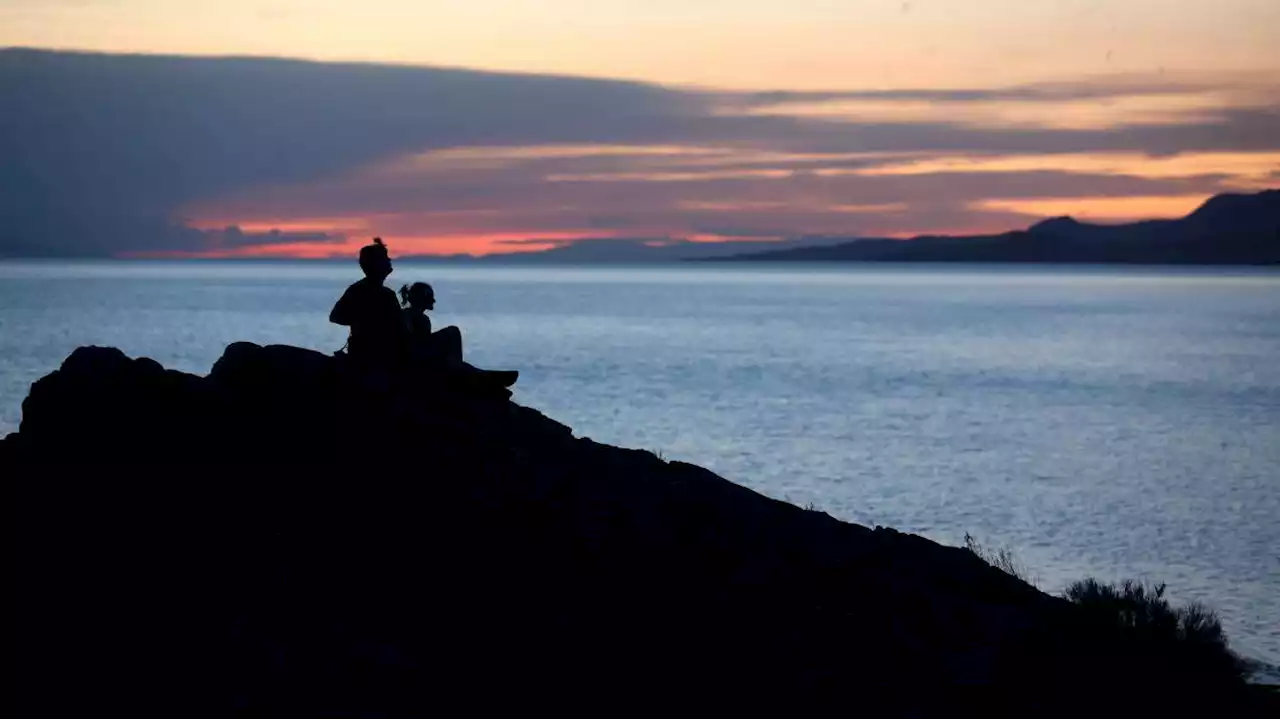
{"x":442,"y":351}
{"x":378,"y":334}
{"x":425,"y":345}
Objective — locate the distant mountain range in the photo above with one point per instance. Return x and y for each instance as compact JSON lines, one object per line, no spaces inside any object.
{"x":1226,"y":229}
{"x":636,"y":250}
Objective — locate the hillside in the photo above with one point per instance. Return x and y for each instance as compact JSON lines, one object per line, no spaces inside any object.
{"x":1225,"y":230}
{"x":285,"y":537}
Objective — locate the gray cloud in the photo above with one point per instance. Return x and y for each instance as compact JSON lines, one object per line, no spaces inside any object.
{"x":1102,"y":88}
{"x":103,"y":152}
{"x":101,"y":149}
{"x":1231,"y":130}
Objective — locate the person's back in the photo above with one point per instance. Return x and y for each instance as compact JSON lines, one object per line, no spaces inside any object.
{"x":371,"y":310}
{"x":418,"y":324}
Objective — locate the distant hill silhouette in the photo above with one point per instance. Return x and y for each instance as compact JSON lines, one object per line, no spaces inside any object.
{"x":1226,"y":230}
{"x":632,"y":250}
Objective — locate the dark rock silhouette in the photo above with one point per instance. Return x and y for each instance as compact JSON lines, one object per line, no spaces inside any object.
{"x":1225,"y":230}
{"x":280,"y":539}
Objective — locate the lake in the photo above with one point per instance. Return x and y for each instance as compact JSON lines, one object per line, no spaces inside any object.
{"x":1097,"y":422}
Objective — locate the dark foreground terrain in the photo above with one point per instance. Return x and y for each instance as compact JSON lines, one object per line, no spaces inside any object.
{"x":286,"y":538}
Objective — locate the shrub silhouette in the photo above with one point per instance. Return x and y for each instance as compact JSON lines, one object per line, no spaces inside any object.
{"x":1001,"y":559}
{"x":1166,"y":641}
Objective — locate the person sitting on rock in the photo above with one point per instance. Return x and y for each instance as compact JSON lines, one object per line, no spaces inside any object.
{"x":424,"y":345}
{"x":378,"y":334}
{"x":442,"y":350}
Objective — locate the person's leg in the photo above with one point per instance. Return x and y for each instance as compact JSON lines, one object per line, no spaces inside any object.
{"x":498,"y":377}
{"x":447,"y":343}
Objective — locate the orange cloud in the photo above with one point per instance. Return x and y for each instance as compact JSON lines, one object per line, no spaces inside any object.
{"x":1085,"y":114}
{"x":1244,"y":167}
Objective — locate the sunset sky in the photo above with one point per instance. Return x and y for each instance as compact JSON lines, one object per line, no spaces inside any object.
{"x":502,"y":125}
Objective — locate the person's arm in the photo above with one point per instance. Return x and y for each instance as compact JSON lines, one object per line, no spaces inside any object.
{"x":341,"y":312}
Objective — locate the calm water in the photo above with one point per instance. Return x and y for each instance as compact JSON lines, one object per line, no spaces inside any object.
{"x":1105,"y":423}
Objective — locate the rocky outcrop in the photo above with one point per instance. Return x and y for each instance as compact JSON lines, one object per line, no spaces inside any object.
{"x":288,"y":537}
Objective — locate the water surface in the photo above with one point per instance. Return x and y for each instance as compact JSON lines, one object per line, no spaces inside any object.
{"x":1108,"y":423}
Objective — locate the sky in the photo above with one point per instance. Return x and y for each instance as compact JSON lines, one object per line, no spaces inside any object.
{"x":302,"y":128}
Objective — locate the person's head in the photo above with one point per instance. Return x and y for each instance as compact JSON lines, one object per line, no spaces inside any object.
{"x":418,"y":296}
{"x":375,"y":261}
